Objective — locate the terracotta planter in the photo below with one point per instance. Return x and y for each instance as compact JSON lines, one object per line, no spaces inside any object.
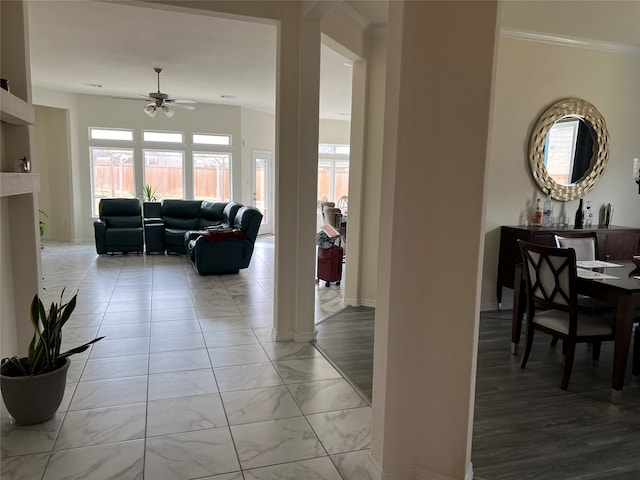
{"x":34,"y":399}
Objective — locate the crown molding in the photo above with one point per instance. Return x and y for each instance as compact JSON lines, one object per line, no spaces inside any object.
{"x":352,"y":15}
{"x":568,"y":41}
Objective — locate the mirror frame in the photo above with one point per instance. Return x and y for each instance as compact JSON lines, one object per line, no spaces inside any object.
{"x":595,"y":122}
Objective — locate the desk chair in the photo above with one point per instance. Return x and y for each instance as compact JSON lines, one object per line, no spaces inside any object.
{"x":551,"y":278}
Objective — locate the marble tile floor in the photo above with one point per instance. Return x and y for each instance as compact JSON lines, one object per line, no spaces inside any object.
{"x":188,"y":383}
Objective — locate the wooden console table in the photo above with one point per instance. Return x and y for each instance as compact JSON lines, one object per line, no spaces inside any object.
{"x":614,"y":243}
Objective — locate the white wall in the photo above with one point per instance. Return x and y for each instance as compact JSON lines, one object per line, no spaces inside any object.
{"x":427,"y":308}
{"x":335,"y":131}
{"x":531,"y":76}
{"x":258,"y":133}
{"x":371,"y":204}
{"x":8,"y":321}
{"x":54,"y":161}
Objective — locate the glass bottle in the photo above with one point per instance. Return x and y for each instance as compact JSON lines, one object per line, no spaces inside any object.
{"x":579,"y":216}
{"x":588,"y":216}
{"x":548,"y":210}
{"x":537,"y":215}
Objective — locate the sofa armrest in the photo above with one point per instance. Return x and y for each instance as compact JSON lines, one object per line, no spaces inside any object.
{"x":100,"y":228}
{"x":192,"y":235}
{"x":153,"y":221}
{"x":222,"y":256}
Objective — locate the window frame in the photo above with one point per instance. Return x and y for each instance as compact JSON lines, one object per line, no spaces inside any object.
{"x":230,"y":167}
{"x":94,"y":200}
{"x":182,"y":153}
{"x":332,"y":158}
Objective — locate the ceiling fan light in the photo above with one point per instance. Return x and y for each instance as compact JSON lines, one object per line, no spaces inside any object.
{"x":150,"y":110}
{"x":167,"y":111}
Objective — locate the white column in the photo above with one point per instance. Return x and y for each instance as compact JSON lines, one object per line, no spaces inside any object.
{"x":437,"y":116}
{"x":298,"y":87}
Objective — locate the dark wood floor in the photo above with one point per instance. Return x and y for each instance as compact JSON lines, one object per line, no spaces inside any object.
{"x":346,"y":338}
{"x":525,"y":427}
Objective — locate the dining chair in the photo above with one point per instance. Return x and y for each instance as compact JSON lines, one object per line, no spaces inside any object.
{"x":343,"y":202}
{"x":551,"y":282}
{"x":584,"y":243}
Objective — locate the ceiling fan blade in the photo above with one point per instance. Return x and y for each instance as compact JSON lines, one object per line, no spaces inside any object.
{"x":174,"y":101}
{"x":180,"y":105}
{"x":143,"y":98}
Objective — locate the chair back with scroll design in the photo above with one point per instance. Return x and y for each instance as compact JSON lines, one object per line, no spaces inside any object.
{"x":343,"y":202}
{"x":551,"y":278}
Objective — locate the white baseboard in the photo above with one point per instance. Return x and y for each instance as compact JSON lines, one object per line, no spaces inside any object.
{"x":376,"y":473}
{"x":372,"y":468}
{"x":355,"y":302}
{"x":280,"y":336}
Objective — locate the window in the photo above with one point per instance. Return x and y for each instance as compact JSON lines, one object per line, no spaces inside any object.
{"x":333,"y":171}
{"x":163,"y":171}
{"x":340,"y":179}
{"x":112,"y":174}
{"x":164,"y":160}
{"x":212,"y":176}
{"x":166,"y":137}
{"x":207,"y":139}
{"x":324,"y":180}
{"x":330,"y":149}
{"x":110,"y":134}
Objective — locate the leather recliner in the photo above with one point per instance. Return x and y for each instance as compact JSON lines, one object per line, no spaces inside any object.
{"x":119,"y":228}
{"x":167,"y":223}
{"x":217,"y":254}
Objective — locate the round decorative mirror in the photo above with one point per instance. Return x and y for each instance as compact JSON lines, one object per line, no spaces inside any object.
{"x":568,"y":149}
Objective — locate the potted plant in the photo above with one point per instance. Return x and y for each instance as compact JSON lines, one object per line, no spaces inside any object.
{"x":33,"y":386}
{"x":42,"y":224}
{"x":149,"y":194}
{"x":150,"y":204}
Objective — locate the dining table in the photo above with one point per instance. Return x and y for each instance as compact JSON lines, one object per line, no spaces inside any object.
{"x":618,"y":285}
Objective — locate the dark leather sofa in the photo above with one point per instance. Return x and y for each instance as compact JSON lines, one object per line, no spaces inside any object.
{"x":119,"y":228}
{"x":225,"y":250}
{"x":166,"y":223}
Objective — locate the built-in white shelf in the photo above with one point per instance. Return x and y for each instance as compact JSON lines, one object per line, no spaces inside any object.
{"x":18,"y":183}
{"x":14,"y":110}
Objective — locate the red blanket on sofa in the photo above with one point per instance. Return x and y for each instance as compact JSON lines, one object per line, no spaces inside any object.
{"x":213,"y":236}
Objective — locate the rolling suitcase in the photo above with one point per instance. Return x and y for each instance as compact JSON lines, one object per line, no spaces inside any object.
{"x":330,"y":264}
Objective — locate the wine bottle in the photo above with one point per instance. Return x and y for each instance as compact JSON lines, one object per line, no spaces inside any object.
{"x":579,"y":216}
{"x":537,"y":215}
{"x":548,"y":210}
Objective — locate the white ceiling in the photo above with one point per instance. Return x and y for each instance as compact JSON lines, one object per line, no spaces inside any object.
{"x":77,"y":44}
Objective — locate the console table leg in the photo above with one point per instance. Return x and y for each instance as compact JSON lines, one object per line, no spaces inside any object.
{"x":616,"y":396}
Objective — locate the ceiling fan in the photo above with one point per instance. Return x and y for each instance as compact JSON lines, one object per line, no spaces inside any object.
{"x":158,"y":100}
